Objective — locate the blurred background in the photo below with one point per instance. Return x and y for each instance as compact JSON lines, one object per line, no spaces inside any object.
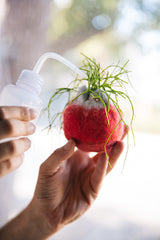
{"x":128,"y":206}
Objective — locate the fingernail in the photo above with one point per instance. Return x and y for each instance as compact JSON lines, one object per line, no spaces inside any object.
{"x":68,"y":145}
{"x":27,"y":143}
{"x":32,"y":127}
{"x":33,"y":113}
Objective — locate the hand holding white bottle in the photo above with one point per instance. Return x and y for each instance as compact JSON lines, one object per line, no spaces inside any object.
{"x":19,"y":105}
{"x":24,"y":104}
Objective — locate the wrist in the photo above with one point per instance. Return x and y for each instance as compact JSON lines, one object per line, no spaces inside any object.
{"x":37,"y":223}
{"x":42,"y":227}
{"x":30,"y":224}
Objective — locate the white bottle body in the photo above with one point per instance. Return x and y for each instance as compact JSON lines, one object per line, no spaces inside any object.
{"x":25,"y":92}
{"x":13,"y":95}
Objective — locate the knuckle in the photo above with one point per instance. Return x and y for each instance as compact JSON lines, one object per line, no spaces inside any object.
{"x":5,"y":167}
{"x":8,"y":126}
{"x":7,"y":149}
{"x":9,"y":164}
{"x":11,"y":147}
{"x":13,"y":163}
{"x":25,"y":113}
{"x":2,"y":113}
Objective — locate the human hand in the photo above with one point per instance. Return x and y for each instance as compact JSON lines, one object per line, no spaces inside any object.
{"x":67,"y":185}
{"x":14,"y":122}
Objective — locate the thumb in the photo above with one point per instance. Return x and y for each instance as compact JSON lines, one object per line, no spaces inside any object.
{"x":50,"y":166}
{"x":99,"y":172}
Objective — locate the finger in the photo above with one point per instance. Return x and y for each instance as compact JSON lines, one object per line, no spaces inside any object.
{"x":15,"y":128}
{"x":114,"y":155}
{"x":14,"y":148}
{"x":10,"y":165}
{"x":80,"y":160}
{"x":19,"y":113}
{"x":96,"y":157}
{"x":99,"y":172}
{"x":126,"y":129}
{"x":50,"y":166}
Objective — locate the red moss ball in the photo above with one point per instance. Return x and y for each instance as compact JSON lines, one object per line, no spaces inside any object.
{"x":90,"y":128}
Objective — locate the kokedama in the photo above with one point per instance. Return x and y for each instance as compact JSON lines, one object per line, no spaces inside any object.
{"x":92,"y":115}
{"x":85,"y":120}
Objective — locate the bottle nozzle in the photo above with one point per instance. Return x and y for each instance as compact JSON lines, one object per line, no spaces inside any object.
{"x":59,"y":58}
{"x":32,"y":81}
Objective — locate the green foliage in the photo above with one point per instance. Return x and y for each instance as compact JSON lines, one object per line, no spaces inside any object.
{"x":79,"y":15}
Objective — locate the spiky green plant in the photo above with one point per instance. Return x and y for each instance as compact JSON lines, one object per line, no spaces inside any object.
{"x":110,"y":82}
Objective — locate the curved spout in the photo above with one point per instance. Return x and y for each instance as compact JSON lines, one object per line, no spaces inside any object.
{"x":52,"y":55}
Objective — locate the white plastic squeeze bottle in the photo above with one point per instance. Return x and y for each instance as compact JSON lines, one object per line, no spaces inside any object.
{"x":29,"y":84}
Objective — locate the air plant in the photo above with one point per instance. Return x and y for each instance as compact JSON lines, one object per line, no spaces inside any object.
{"x":93,"y":116}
